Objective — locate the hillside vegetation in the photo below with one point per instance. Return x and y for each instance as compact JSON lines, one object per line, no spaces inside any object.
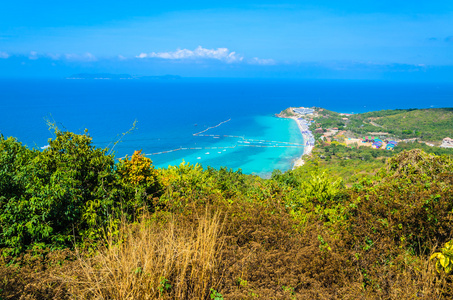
{"x":430,"y":125}
{"x":351,"y":163}
{"x":76,"y":224}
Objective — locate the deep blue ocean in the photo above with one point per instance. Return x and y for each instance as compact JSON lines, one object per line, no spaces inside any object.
{"x":169,"y":112}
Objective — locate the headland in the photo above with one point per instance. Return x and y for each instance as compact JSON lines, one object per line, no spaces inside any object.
{"x":385,"y":130}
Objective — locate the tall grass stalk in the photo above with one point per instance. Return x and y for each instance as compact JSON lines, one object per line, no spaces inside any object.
{"x":150,"y":260}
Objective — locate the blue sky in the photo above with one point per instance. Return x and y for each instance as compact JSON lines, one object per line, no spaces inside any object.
{"x":407,"y":40}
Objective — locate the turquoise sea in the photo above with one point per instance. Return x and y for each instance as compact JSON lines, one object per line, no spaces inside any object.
{"x":257,"y":144}
{"x":170,"y":112}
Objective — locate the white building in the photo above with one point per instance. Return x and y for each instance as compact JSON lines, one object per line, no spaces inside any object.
{"x":447,"y":143}
{"x":303,"y":111}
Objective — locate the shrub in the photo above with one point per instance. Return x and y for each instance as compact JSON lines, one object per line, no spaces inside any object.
{"x":187,"y":184}
{"x":64,"y":190}
{"x":444,"y":258}
{"x":138,"y":182}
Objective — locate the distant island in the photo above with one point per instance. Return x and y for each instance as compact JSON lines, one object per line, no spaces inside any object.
{"x":107,"y":76}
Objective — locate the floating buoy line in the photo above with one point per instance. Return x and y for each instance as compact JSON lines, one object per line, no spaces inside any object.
{"x":209,"y":128}
{"x":243,"y":142}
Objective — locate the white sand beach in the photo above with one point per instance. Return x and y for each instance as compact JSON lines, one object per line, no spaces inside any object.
{"x":308,"y":140}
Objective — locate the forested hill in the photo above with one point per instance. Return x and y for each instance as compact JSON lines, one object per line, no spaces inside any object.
{"x":430,"y":125}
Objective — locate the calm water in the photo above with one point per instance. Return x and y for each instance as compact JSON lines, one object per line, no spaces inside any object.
{"x":168,"y":113}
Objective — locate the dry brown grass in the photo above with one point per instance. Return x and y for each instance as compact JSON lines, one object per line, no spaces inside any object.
{"x":416,"y":280}
{"x":260,"y":256}
{"x":149,"y":260}
{"x":33,"y":276}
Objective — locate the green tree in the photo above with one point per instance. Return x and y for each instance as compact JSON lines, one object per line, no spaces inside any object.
{"x":47,"y":197}
{"x":139,"y":183}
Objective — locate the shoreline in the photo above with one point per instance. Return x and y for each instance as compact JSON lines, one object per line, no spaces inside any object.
{"x":308,"y":140}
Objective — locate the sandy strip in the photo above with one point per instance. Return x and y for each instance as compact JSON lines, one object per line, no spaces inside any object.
{"x":307,"y":135}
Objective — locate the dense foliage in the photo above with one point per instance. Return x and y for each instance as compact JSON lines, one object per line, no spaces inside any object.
{"x":187,"y":232}
{"x":426,"y":124}
{"x":351,"y":162}
{"x":69,"y":190}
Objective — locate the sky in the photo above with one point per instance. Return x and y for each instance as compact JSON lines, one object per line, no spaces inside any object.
{"x":350,"y":39}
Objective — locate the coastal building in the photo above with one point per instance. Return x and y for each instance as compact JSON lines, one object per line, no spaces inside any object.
{"x":391,"y":145}
{"x":303,"y":111}
{"x":369,"y":139}
{"x":377,"y":144}
{"x":447,"y":143}
{"x":319,"y":130}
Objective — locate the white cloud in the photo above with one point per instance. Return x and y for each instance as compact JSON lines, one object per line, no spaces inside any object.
{"x":33,"y":55}
{"x":120,"y":57}
{"x":3,"y":55}
{"x":71,"y":56}
{"x":84,"y":57}
{"x":53,"y":56}
{"x":222,"y":54}
{"x":261,"y":61}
